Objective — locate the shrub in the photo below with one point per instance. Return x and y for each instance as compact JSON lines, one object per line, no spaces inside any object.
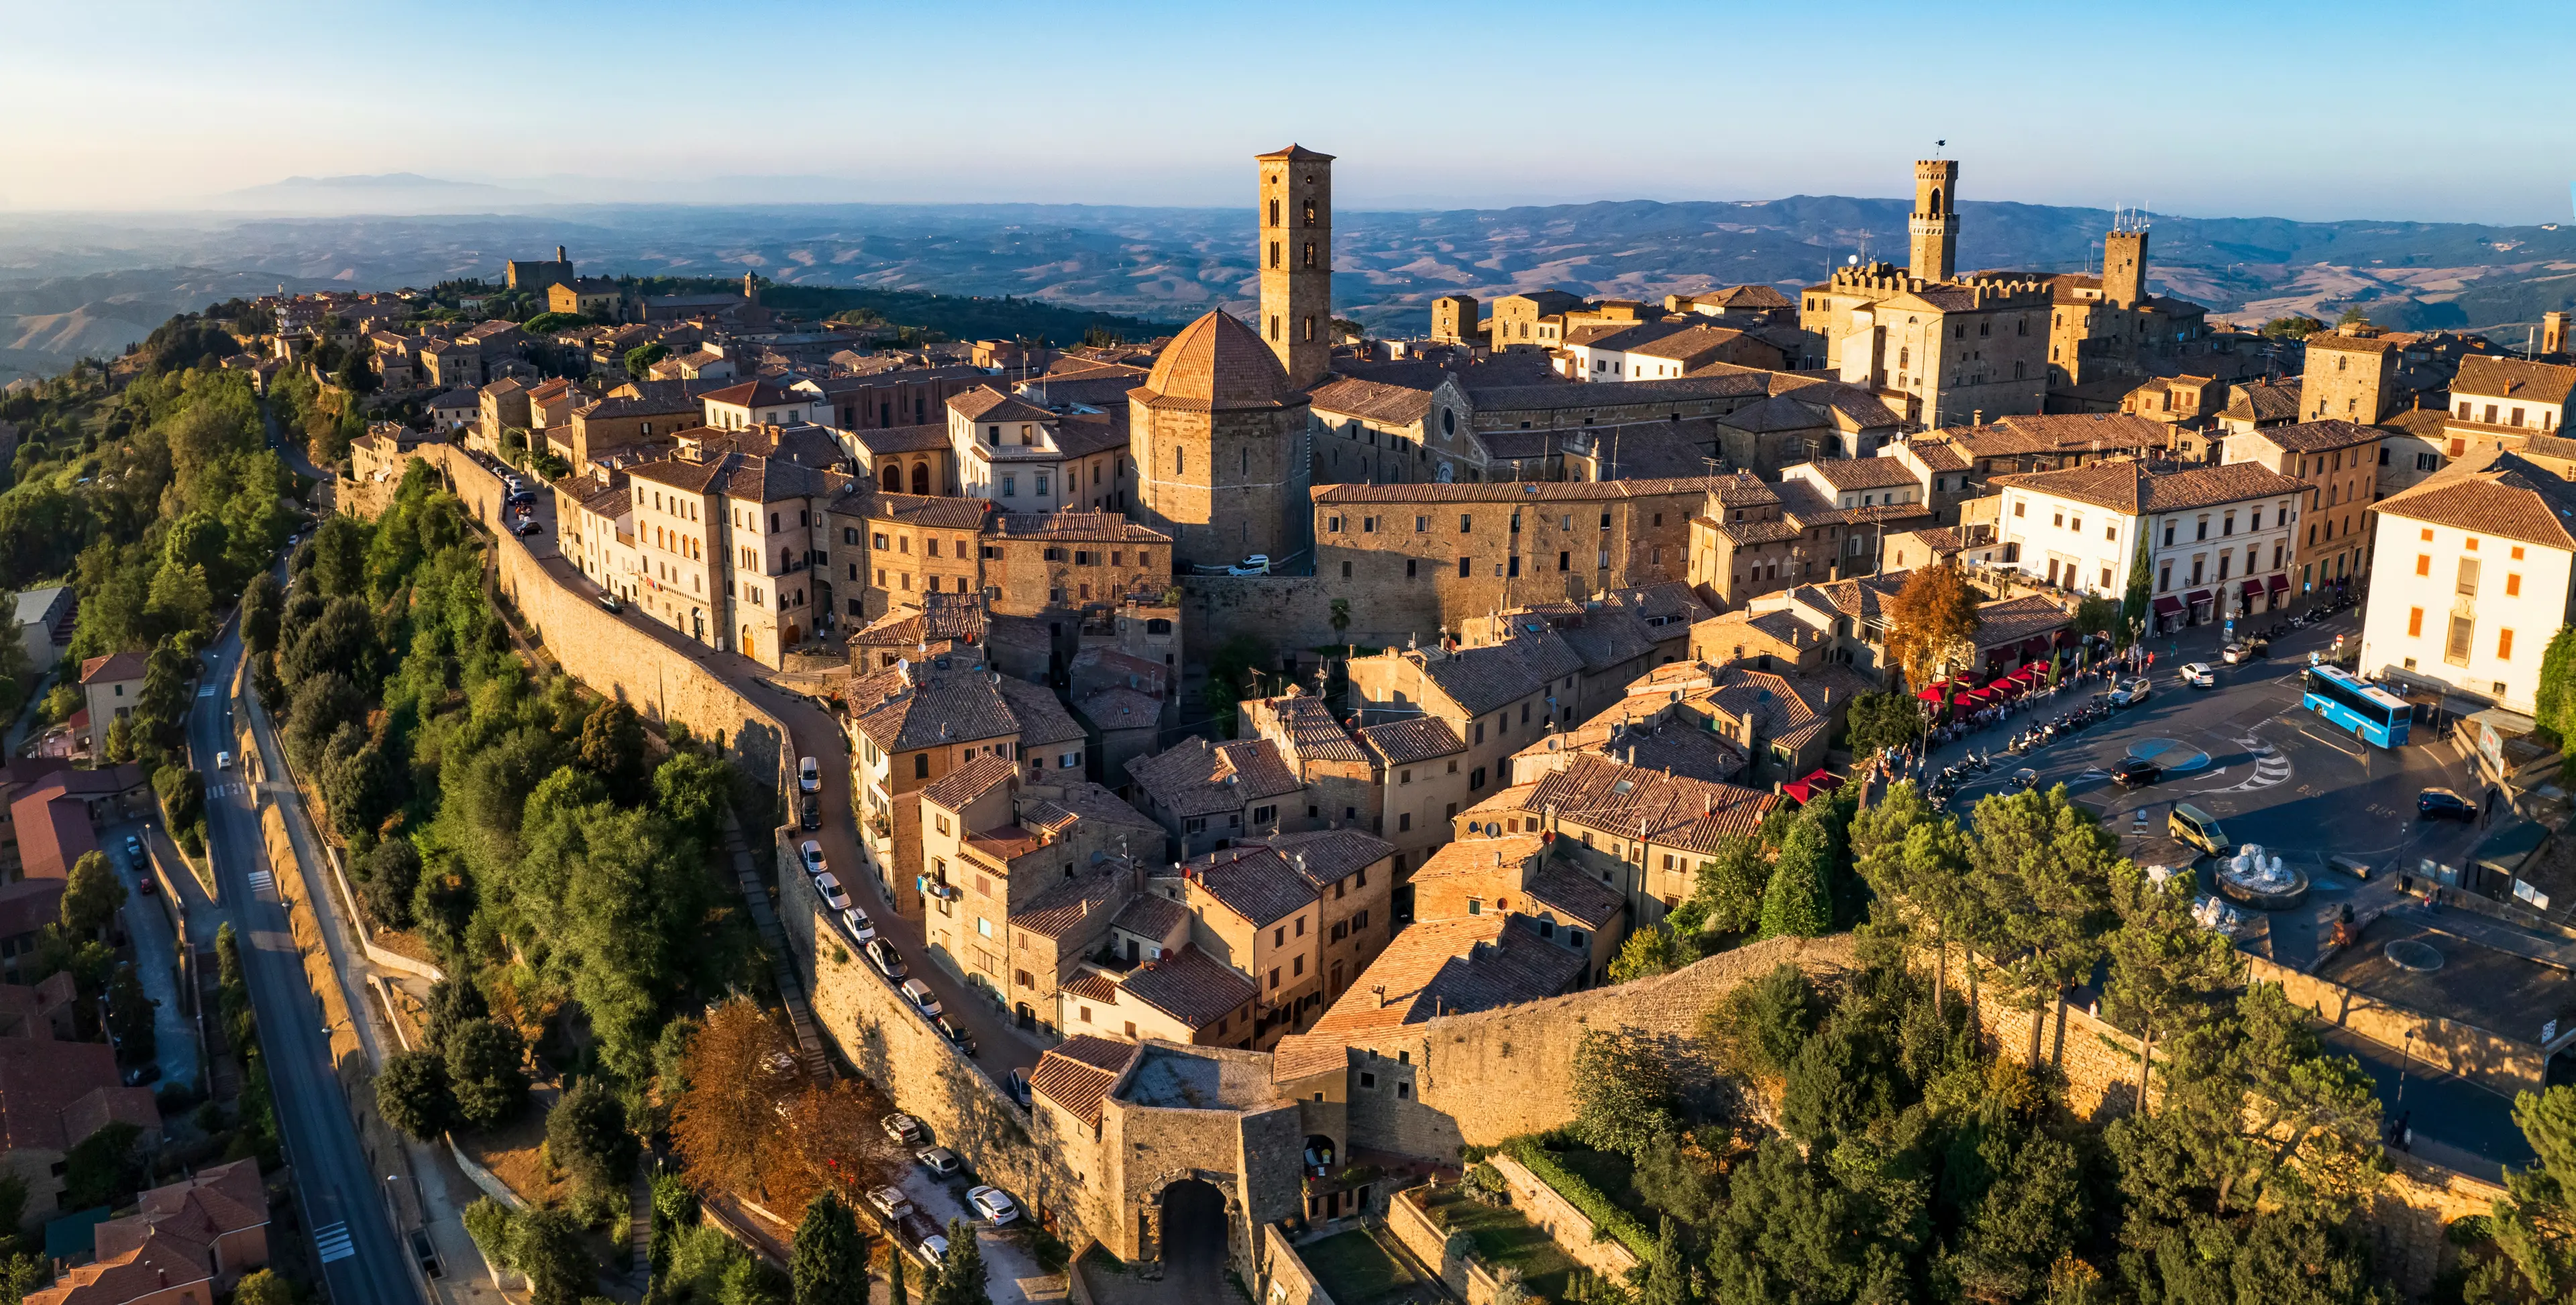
{"x":1605,"y":1215}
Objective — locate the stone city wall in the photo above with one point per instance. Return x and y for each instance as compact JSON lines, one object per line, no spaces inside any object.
{"x":1556,"y":1216}
{"x":1467,"y":1279}
{"x":1284,"y":612}
{"x":2491,"y":1060}
{"x":1285,"y":1278}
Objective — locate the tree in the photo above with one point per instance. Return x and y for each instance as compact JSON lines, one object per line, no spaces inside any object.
{"x":2135,"y":603}
{"x":2536,"y":1225}
{"x":1931,"y":622}
{"x":387,"y":877}
{"x":675,"y":1211}
{"x":262,"y":603}
{"x":2096,"y":614}
{"x":612,"y":747}
{"x":726,"y":1125}
{"x":545,"y":1246}
{"x":691,"y":790}
{"x":961,"y":1279}
{"x":91,"y":896}
{"x":1668,"y":1273}
{"x":1623,"y":1091}
{"x":1880,"y":721}
{"x":1799,"y":901}
{"x":1915,"y":861}
{"x":129,"y":1017}
{"x":2297,"y":326}
{"x":485,"y":1073}
{"x":412,"y":1093}
{"x":586,"y":1133}
{"x":1726,"y":894}
{"x":263,"y":1287}
{"x":640,"y":359}
{"x":104,"y":1169}
{"x":829,"y":1264}
{"x":489,"y":1223}
{"x":2167,"y":973}
{"x":453,"y":1004}
{"x":896,"y":1294}
{"x":2043,"y":869}
{"x":1650,"y":951}
{"x":2556,"y":696}
{"x":1759,"y":1027}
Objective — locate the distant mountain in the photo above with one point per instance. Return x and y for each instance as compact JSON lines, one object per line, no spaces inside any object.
{"x":1169,"y":264}
{"x":388,"y":192}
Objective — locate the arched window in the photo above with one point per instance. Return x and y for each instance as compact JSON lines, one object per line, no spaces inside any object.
{"x":1448,"y":421}
{"x":1309,"y":328}
{"x":1274,"y":212}
{"x":1274,"y":326}
{"x":921,"y":478}
{"x":1274,"y":253}
{"x":1936,"y":200}
{"x":1310,"y":213}
{"x":894,"y":480}
{"x":1310,"y":253}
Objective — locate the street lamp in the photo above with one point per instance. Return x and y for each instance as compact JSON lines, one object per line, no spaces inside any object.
{"x":2402,"y":1064}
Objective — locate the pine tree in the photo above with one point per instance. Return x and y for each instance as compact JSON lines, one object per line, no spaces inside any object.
{"x":829,"y":1264}
{"x":961,"y":1279}
{"x":896,"y":1292}
{"x":1799,"y":903}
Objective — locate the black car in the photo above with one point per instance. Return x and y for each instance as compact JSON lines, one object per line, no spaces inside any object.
{"x":2133,"y":772}
{"x":809,"y":811}
{"x":2443,"y":804}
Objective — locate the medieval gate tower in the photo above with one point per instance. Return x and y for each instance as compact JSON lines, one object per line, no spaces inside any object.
{"x":1933,"y":226}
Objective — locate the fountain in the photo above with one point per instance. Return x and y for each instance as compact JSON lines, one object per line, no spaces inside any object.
{"x":2251,"y":879}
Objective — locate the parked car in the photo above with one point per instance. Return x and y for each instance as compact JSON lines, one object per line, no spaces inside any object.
{"x":890,"y":1203}
{"x":2195,"y":828}
{"x":888,"y":961}
{"x":904,"y":1129}
{"x":933,"y":1248}
{"x":1257,"y":564}
{"x":862,"y":929}
{"x":530,"y":528}
{"x":993,"y":1205}
{"x":828,"y":886}
{"x":937,"y":1159}
{"x":2135,"y":772}
{"x":921,"y":997}
{"x":134,"y":848}
{"x":2199,"y":676}
{"x":2236,"y":654}
{"x":809,"y":776}
{"x":144,"y":883}
{"x":809,"y":812}
{"x":1017,"y":1084}
{"x":610,"y":602}
{"x":950,"y":1030}
{"x":2131,"y":693}
{"x":813,"y":854}
{"x":2443,"y":804}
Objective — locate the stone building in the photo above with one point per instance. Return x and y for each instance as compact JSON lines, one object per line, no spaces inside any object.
{"x":1215,"y":439}
{"x":601,"y":431}
{"x":1032,"y":459}
{"x":729,"y":545}
{"x":1642,"y":833}
{"x":1750,"y":539}
{"x":889,"y":551}
{"x":2351,"y":375}
{"x":896,"y":397}
{"x":1209,"y":796}
{"x":1296,"y":254}
{"x":1301,"y":915}
{"x":1039,"y":562}
{"x":537,"y":274}
{"x":2340,"y":463}
{"x":901,"y":459}
{"x":1531,"y":321}
{"x":2215,"y":540}
{"x":1484,"y":876}
{"x":594,"y":297}
{"x":1453,"y":319}
{"x":2481,"y":576}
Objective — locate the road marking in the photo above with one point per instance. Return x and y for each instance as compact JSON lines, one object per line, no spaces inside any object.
{"x":206,"y":692}
{"x":262,"y":881}
{"x":333,"y":1242}
{"x":2354,"y":753}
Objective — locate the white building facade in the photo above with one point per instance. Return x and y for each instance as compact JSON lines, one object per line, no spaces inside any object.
{"x":2476,"y":573}
{"x":2217,"y":540}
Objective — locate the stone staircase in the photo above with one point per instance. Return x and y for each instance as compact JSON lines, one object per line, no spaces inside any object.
{"x":791,"y":992}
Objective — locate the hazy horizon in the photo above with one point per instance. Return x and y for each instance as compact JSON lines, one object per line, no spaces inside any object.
{"x":2267,"y":111}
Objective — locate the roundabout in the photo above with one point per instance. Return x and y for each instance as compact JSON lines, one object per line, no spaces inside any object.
{"x":2172,"y":756}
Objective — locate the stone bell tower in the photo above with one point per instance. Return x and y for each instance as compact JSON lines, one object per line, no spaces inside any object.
{"x":1933,"y":226}
{"x":1296,"y":259}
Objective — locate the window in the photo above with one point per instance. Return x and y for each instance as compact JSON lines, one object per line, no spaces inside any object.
{"x":2504,"y":645}
{"x":1465,"y":523}
{"x":921,"y":765}
{"x":1466,"y":567}
{"x":2463,"y":631}
{"x":2415,"y":622}
{"x":2512,"y":584}
{"x":2423,"y":561}
{"x":2468,"y":584}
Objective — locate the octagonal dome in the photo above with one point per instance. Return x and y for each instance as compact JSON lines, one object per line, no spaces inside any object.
{"x":1218,"y":364}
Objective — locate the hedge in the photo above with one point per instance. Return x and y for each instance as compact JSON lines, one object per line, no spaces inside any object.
{"x":1605,"y":1215}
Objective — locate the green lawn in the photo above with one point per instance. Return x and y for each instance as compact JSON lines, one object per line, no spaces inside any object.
{"x":1504,"y":1238}
{"x":1354,"y":1271}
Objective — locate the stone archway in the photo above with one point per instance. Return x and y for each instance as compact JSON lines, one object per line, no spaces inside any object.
{"x":1189,"y":1229}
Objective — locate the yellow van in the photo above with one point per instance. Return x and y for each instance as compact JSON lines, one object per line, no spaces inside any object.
{"x":2193,"y":827}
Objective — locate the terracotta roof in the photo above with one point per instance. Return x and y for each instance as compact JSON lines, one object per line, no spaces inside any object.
{"x":1075,"y":525}
{"x":1400,"y":405}
{"x":2487,"y":377}
{"x":1196,"y":778}
{"x":1579,"y":897}
{"x":2263,"y":401}
{"x":929,"y":438}
{"x":2138,"y":488}
{"x":1041,"y":717}
{"x":1120,"y":708}
{"x":754,"y":394}
{"x":1092,"y":894}
{"x":1734,"y":383}
{"x":1293,"y":153}
{"x":1649,"y":805}
{"x":1190,"y":986}
{"x":1524,"y":491}
{"x":1688,"y":343}
{"x":1077,"y":1073}
{"x":988,"y":771}
{"x":226,"y":1198}
{"x":1324,"y":857}
{"x":953,"y":707}
{"x":1860,"y":473}
{"x":931,"y":511}
{"x":1217,"y":364}
{"x":2339,"y":342}
{"x":1404,"y":742}
{"x":112,"y":667}
{"x":2492,"y":491}
{"x":1314,"y":733}
{"x":1450,"y":967}
{"x":1255,"y":882}
{"x":1744,"y":296}
{"x":2320,"y":436}
{"x":1152,"y":915}
{"x":2011,"y":620}
{"x":984,"y":403}
{"x":744,"y":476}
{"x":1935,"y":455}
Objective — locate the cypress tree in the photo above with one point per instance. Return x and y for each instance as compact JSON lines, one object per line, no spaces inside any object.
{"x":1799,"y":901}
{"x":829,"y":1265}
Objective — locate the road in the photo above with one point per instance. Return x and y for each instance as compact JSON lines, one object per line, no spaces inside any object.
{"x":156,"y":951}
{"x":342,"y":1196}
{"x":2276,"y":774}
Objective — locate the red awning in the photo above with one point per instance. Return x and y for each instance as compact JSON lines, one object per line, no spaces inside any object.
{"x":2198,"y":596}
{"x":2253,"y":589}
{"x":2034,"y":645}
{"x":2167,"y":605}
{"x":2011,"y":685}
{"x":1935,"y":693}
{"x":1823,"y":781}
{"x":2280,"y":582}
{"x":1796,"y":788}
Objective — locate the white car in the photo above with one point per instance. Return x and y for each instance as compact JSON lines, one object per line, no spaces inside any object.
{"x":809,"y":776}
{"x":2199,"y":676}
{"x":1257,"y":564}
{"x":934,"y":1248}
{"x":904,"y":1129}
{"x":2130,"y":694}
{"x":919,"y":994}
{"x":813,"y":854}
{"x":890,"y":1203}
{"x":937,"y":1159}
{"x":862,"y":929}
{"x":991,"y":1203}
{"x":223,"y":761}
{"x":828,"y":885}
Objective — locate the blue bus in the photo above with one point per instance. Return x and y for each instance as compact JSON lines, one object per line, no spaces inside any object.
{"x":2378,"y":716}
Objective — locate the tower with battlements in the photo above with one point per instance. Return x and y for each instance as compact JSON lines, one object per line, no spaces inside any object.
{"x":1933,"y":226}
{"x":1296,"y":259}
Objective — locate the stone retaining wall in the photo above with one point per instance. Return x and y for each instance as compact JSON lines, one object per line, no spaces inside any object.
{"x":1412,"y":1225}
{"x":1570,"y":1228}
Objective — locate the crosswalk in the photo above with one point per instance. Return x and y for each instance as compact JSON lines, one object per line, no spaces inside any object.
{"x":332,"y":1240}
{"x":227,"y":790}
{"x":262,"y":881}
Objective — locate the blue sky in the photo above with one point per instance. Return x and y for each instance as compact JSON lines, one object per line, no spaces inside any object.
{"x":2350,"y":110}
